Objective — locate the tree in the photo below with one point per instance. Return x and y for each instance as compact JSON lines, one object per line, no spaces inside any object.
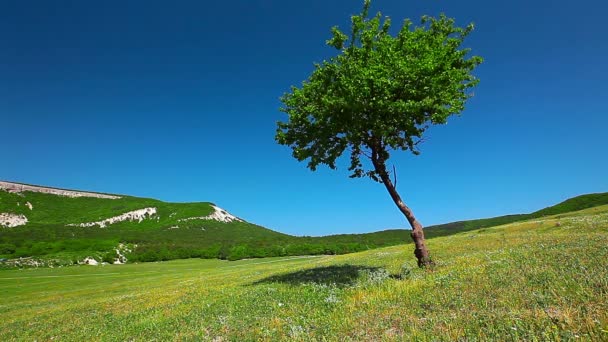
{"x":379,"y":95}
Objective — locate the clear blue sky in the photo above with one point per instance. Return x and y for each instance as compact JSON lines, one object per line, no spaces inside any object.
{"x":179,"y":100}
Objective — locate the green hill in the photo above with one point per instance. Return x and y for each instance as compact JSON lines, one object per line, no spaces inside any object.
{"x":58,"y":229}
{"x":54,"y":233}
{"x":570,"y":205}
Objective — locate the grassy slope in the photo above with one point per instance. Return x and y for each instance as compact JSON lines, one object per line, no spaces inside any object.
{"x":535,"y":280}
{"x":569,"y":205}
{"x":47,"y":233}
{"x":47,"y":236}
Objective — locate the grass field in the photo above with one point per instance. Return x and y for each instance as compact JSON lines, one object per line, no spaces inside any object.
{"x":545,"y":279}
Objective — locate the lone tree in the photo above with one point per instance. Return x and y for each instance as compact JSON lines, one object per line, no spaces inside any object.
{"x":378,"y":95}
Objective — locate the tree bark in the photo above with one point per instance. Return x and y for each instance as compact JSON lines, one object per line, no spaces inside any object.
{"x":420,"y":251}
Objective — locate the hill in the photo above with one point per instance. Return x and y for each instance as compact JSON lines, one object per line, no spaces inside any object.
{"x":526,"y":281}
{"x":58,"y":226}
{"x":50,"y":226}
{"x":569,"y":205}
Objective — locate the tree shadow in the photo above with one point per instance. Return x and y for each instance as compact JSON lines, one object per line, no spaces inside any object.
{"x":340,"y":276}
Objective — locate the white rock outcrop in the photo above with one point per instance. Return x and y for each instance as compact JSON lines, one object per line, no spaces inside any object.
{"x":219,"y":214}
{"x":120,"y":253}
{"x":9,"y":220}
{"x":29,"y":205}
{"x":27,"y":262}
{"x":135,"y":215}
{"x":90,"y":261}
{"x":16,"y":187}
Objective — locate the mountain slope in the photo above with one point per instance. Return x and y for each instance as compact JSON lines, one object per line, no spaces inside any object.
{"x":75,"y":227}
{"x":573,"y":204}
{"x":64,"y":226}
{"x":61,"y":226}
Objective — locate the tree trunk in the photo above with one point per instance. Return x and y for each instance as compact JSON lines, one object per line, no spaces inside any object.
{"x":420,"y":251}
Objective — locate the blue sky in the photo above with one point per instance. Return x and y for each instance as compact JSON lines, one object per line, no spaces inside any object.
{"x":178,"y":101}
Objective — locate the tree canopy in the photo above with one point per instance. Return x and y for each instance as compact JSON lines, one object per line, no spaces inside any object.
{"x":380,"y":93}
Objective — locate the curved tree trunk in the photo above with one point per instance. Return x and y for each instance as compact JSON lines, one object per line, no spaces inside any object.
{"x":420,"y":251}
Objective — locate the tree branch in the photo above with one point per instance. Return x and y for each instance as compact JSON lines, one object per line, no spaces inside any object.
{"x":420,"y":141}
{"x":394,"y":176}
{"x":366,"y":154}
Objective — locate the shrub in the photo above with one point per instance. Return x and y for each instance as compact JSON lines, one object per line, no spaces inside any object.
{"x":7,"y":248}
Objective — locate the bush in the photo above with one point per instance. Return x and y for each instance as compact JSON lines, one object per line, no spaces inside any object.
{"x":405,"y":271}
{"x":110,"y":257}
{"x":7,"y":248}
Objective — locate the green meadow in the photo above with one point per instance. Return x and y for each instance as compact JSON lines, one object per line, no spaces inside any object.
{"x":541,"y":279}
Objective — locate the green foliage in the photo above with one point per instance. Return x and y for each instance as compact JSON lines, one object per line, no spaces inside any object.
{"x":7,"y":248}
{"x":239,"y":252}
{"x":380,"y":93}
{"x":110,"y":257}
